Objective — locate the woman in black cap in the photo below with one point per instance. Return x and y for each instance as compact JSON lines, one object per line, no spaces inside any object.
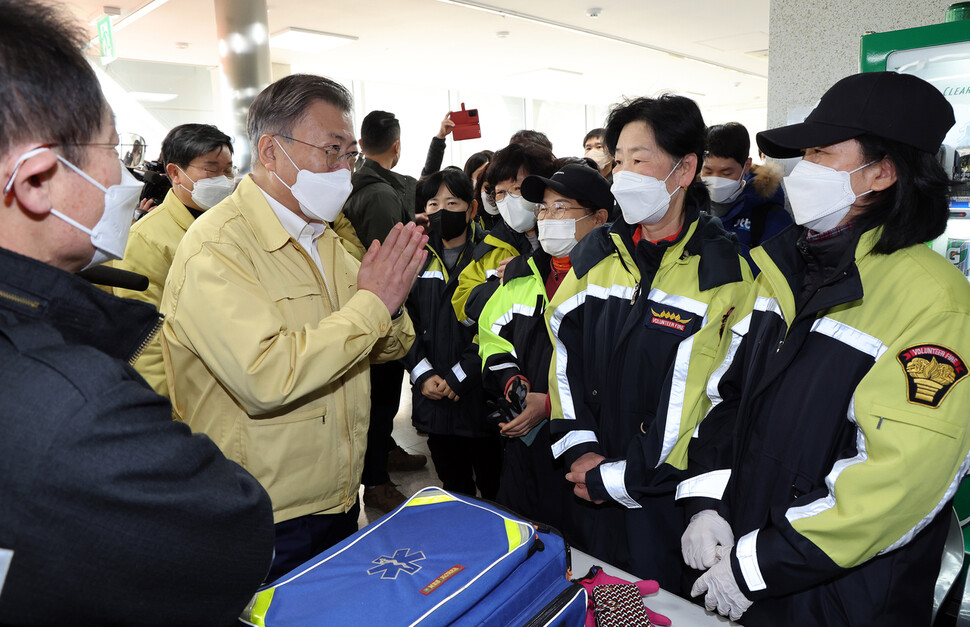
{"x":824,"y":473}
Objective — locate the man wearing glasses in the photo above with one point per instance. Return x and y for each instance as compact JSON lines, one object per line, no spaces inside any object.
{"x":112,"y":513}
{"x":271,"y":325}
{"x":198,"y":162}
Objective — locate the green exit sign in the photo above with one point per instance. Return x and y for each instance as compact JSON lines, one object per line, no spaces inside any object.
{"x":106,"y":40}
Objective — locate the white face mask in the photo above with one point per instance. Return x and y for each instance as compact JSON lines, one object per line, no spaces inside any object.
{"x":209,"y":192}
{"x":558,"y":237}
{"x":321,"y":194}
{"x":820,"y":196}
{"x":110,"y":235}
{"x":600,"y":157}
{"x":518,"y":213}
{"x":722,"y":190}
{"x":642,"y":199}
{"x":490,"y":207}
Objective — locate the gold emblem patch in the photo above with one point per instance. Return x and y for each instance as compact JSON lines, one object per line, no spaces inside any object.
{"x":669,"y":319}
{"x":931,"y":371}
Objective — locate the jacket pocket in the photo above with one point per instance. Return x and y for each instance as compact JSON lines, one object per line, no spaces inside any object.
{"x":897,"y":415}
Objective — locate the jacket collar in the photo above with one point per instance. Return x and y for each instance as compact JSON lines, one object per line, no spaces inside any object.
{"x":371,"y":172}
{"x":783,"y":267}
{"x":80,"y":312}
{"x":622,"y":235}
{"x":177,"y":210}
{"x":251,"y":203}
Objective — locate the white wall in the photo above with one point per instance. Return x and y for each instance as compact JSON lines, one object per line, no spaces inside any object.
{"x":814,"y":43}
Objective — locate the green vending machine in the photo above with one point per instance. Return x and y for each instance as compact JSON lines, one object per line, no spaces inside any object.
{"x":939,"y":54}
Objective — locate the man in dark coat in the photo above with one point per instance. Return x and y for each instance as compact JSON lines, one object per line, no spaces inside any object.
{"x":112,"y":513}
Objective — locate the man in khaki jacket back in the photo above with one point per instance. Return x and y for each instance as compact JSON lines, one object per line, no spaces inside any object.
{"x":271,"y":325}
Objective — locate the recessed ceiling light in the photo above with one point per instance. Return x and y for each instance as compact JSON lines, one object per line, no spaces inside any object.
{"x":304,"y":40}
{"x":502,"y":34}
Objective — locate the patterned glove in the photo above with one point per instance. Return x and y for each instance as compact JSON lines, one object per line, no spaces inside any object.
{"x":597,"y":577}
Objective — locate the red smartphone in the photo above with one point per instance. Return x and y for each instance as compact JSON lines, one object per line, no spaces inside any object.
{"x":466,"y":124}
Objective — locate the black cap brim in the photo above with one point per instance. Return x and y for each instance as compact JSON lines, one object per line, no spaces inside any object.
{"x":534,"y":188}
{"x":789,"y":141}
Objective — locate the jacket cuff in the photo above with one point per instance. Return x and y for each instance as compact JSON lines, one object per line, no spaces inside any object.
{"x":372,"y":312}
{"x":508,"y":383}
{"x":570,"y":455}
{"x":421,"y":372}
{"x":457,"y":378}
{"x":594,"y":485}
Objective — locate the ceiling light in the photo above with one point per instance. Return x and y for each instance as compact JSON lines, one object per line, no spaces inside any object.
{"x":478,"y":6}
{"x":303,"y":40}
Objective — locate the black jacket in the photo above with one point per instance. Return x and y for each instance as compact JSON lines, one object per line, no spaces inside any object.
{"x":380,"y":199}
{"x":831,"y":456}
{"x":114,"y":513}
{"x":445,"y":347}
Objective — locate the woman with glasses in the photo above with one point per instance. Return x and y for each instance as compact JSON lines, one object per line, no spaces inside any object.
{"x":635,"y":326}
{"x":516,"y":234}
{"x":514,"y":339}
{"x":198,"y":161}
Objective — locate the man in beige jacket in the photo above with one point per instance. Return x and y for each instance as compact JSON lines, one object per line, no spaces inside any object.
{"x":271,"y":325}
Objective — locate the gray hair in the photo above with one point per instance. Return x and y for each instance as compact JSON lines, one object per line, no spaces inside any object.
{"x":281,"y":105}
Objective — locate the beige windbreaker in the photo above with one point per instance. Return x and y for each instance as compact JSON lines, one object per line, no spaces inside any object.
{"x":269,"y":358}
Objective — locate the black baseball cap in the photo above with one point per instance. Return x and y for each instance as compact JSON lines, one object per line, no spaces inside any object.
{"x":898,"y":107}
{"x":579,"y":182}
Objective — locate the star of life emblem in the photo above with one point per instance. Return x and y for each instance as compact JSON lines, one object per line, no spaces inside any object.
{"x":390,"y":566}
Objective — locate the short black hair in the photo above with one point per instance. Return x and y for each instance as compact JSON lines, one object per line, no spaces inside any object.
{"x":284,"y":103}
{"x":190,"y":141}
{"x":506,"y":163}
{"x":48,"y":91}
{"x":913,"y":210}
{"x":378,"y":132}
{"x":596,"y":132}
{"x":677,"y":125}
{"x":531,"y":137}
{"x":476,"y":161}
{"x":728,"y":141}
{"x":457,"y":181}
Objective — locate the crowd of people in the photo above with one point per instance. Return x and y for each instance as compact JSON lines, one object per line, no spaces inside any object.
{"x":744,"y":385}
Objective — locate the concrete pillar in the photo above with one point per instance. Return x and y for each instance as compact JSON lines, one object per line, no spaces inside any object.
{"x":244,"y":61}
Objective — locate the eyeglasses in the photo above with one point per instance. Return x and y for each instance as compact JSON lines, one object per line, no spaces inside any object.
{"x":515,"y":192}
{"x":332,"y":151}
{"x":132,"y":155}
{"x":555,"y":211}
{"x":231,"y":171}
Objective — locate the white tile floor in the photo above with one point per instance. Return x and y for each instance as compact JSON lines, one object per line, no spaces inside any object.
{"x":408,"y":439}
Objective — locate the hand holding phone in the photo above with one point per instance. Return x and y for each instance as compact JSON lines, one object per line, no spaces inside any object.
{"x":466,"y":124}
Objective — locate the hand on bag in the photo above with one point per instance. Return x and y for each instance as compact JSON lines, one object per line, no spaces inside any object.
{"x":706,"y":533}
{"x":533,"y":414}
{"x":390,"y":269}
{"x":723,"y":593}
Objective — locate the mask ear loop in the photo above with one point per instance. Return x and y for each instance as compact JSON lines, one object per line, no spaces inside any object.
{"x":23,"y":158}
{"x":868,"y":191}
{"x":291,"y":161}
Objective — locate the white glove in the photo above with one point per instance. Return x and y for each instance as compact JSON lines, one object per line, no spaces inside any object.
{"x":706,"y":531}
{"x":723,"y":593}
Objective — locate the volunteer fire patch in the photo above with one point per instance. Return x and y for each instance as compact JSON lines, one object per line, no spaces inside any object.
{"x":670,"y":319}
{"x":931,"y":372}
